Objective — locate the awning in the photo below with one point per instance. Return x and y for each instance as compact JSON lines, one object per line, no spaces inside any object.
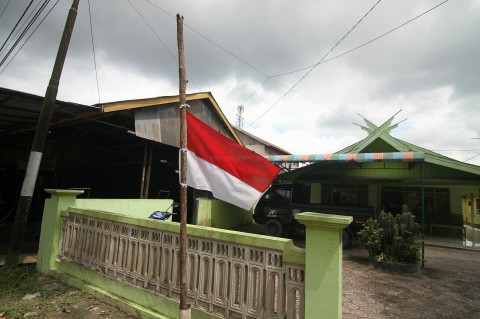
{"x":354,"y":157}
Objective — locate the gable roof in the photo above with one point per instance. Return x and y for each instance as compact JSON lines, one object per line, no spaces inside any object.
{"x":381,"y":137}
{"x":262,"y":141}
{"x":134,"y":104}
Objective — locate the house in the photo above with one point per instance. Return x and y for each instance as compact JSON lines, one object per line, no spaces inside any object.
{"x":262,"y":147}
{"x":123,"y":149}
{"x":393,"y":179}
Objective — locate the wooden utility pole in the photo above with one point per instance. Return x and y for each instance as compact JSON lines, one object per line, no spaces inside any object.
{"x":36,"y":153}
{"x":182,"y":263}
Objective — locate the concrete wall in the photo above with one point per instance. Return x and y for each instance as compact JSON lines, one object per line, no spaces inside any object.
{"x":219,"y":214}
{"x":137,"y":208}
{"x":323,"y":263}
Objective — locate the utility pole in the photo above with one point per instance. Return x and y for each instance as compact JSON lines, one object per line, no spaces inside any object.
{"x":36,"y":153}
{"x":184,"y":309}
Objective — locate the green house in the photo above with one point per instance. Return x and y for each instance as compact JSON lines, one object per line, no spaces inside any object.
{"x":389,"y":174}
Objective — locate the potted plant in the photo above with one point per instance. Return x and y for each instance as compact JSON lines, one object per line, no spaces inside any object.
{"x":392,"y":242}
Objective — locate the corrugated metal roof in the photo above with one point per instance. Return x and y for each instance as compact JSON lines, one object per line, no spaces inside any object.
{"x":19,"y":111}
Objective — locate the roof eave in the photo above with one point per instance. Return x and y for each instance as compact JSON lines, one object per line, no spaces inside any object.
{"x":134,"y":104}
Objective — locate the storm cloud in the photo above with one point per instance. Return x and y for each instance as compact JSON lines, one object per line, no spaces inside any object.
{"x":238,"y":50}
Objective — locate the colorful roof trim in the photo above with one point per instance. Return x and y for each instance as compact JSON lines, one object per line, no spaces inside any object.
{"x":352,"y":157}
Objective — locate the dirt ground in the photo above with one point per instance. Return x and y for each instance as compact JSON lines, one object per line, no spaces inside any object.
{"x":55,"y":301}
{"x":448,"y":287}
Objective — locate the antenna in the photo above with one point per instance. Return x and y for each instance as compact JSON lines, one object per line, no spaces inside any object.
{"x":240,"y":118}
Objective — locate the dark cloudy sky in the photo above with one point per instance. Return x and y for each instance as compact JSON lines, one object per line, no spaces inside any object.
{"x":428,"y":68}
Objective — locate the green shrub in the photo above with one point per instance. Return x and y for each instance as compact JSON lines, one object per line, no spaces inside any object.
{"x":392,"y":238}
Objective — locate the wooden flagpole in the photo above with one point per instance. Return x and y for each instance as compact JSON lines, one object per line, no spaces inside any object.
{"x":184,"y":309}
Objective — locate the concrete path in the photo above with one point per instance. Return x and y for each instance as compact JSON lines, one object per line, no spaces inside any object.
{"x":448,"y":287}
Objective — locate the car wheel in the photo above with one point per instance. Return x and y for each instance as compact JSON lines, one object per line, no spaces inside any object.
{"x":273,"y":227}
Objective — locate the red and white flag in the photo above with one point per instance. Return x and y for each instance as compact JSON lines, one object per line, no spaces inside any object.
{"x":229,"y":170}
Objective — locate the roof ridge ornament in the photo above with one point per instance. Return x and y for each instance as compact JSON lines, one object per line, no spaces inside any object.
{"x":386,"y":127}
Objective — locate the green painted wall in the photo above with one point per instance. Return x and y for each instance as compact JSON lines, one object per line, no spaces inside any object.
{"x":51,"y":226}
{"x":219,"y":214}
{"x":456,"y":200}
{"x":316,"y":193}
{"x":324,"y":238}
{"x":138,"y":208}
{"x":322,"y":256}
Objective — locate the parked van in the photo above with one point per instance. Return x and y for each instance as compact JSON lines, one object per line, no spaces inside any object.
{"x":279,"y":204}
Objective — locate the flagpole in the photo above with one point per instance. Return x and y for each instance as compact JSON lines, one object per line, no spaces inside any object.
{"x":184,"y":309}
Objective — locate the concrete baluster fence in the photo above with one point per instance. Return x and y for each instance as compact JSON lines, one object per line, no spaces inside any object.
{"x":132,"y":261}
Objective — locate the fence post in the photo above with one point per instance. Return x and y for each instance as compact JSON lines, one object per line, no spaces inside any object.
{"x":323,"y":264}
{"x":60,"y":200}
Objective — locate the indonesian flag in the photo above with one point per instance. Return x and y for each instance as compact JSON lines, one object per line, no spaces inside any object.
{"x":230,"y":171}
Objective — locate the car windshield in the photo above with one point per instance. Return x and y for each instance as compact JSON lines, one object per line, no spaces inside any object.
{"x":278,"y":195}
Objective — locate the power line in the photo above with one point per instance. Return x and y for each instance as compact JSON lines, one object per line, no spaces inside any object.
{"x":251,"y":95}
{"x":351,"y":50}
{"x":25,"y":21}
{"x":314,"y":66}
{"x":153,"y":31}
{"x":158,"y":38}
{"x":25,"y":30}
{"x":472,"y":158}
{"x":472,"y":150}
{"x":48,"y":13}
{"x":93,"y":49}
{"x":364,"y":44}
{"x":267,"y":77}
{"x":5,"y":8}
{"x":258,"y":88}
{"x":209,"y":40}
{"x":16,"y":25}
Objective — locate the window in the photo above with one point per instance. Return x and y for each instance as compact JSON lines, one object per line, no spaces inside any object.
{"x":278,"y":195}
{"x":345,"y":195}
{"x":435,"y":199}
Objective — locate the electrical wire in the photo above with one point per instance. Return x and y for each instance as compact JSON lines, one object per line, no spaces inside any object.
{"x":24,"y":32}
{"x":267,"y":77}
{"x":472,"y":158}
{"x":473,"y":150}
{"x":161,"y":41}
{"x":251,"y":95}
{"x":209,"y":40}
{"x":16,"y":25}
{"x":258,"y":88}
{"x":25,"y":22}
{"x":5,"y":8}
{"x":153,"y":31}
{"x":354,"y":49}
{"x":48,"y":13}
{"x":366,"y":43}
{"x":93,"y":49}
{"x":315,"y":65}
